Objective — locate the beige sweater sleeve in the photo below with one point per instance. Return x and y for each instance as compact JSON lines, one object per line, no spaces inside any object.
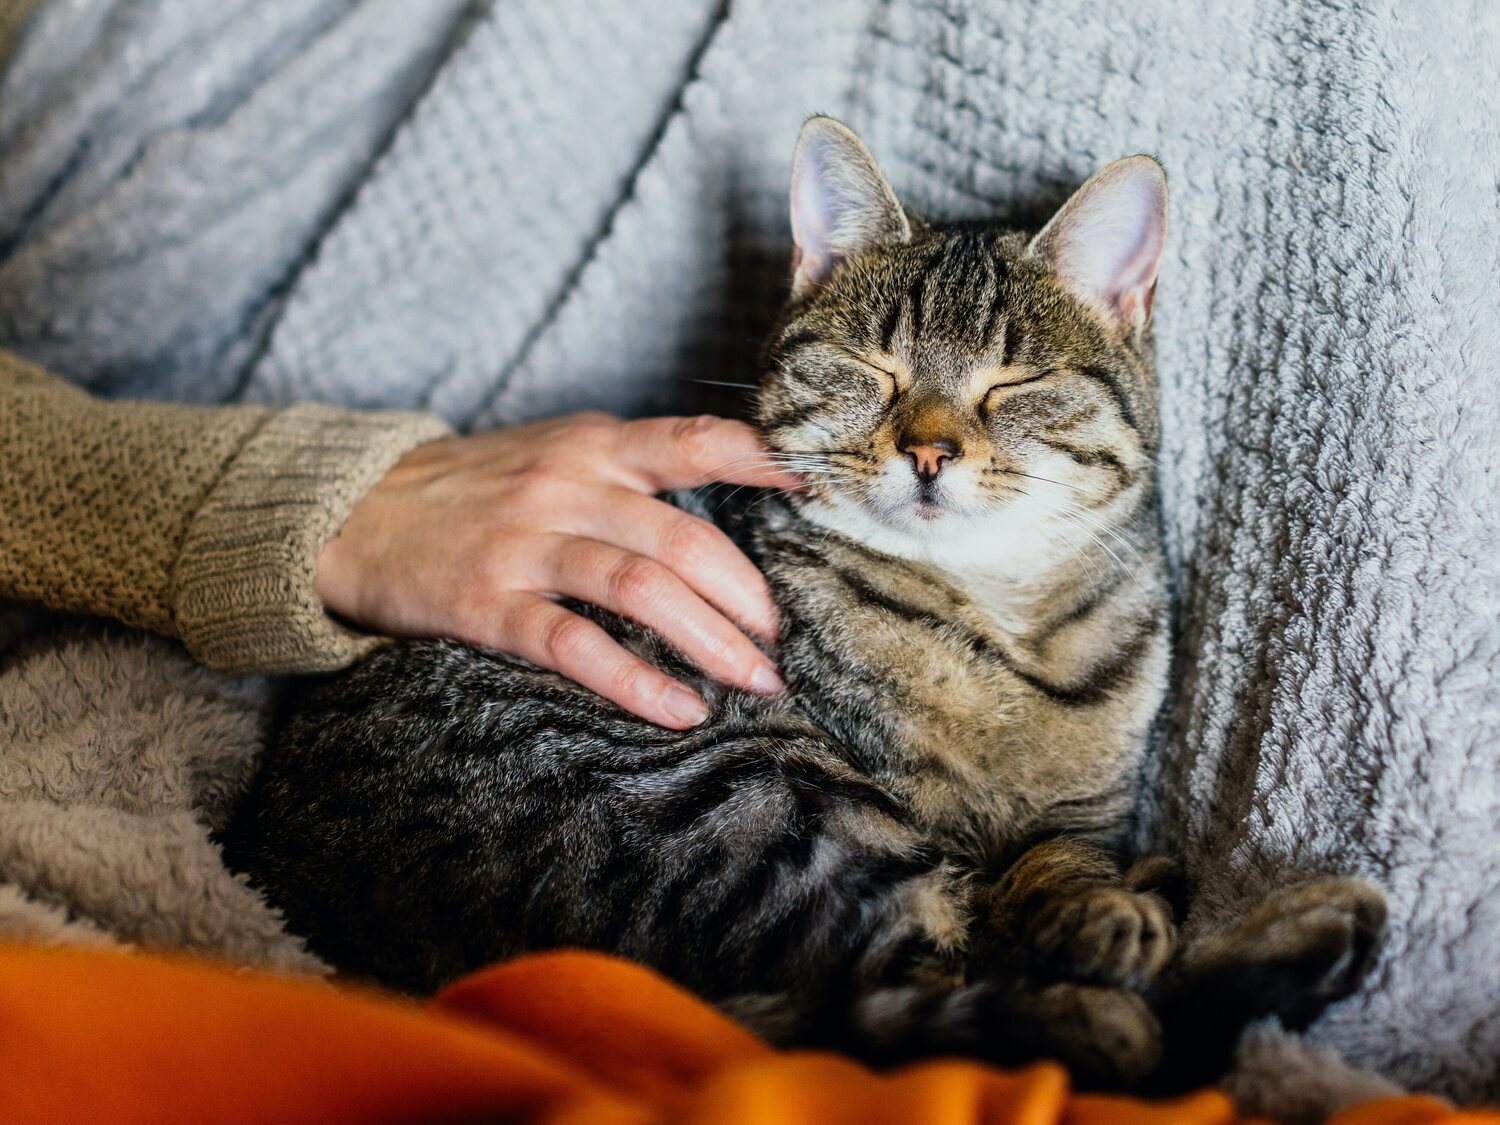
{"x":204,"y":523}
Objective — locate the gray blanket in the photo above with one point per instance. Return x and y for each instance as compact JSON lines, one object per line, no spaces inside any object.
{"x":502,"y":210}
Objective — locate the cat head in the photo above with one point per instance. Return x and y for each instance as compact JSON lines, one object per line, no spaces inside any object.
{"x":947,"y":383}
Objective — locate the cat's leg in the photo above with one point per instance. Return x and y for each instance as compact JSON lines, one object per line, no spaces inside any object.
{"x":1067,"y":910}
{"x":946,"y":1002}
{"x":912,"y":990}
{"x":1302,"y":949}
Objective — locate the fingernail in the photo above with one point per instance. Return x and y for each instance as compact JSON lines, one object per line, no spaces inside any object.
{"x":765,"y":681}
{"x":684,"y":706}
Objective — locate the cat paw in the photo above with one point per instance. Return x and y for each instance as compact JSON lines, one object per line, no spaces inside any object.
{"x":1103,"y":934}
{"x":1305,"y":947}
{"x":1106,"y":1037}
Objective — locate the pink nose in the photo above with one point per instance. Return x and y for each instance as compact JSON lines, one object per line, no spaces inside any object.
{"x":927,"y":460}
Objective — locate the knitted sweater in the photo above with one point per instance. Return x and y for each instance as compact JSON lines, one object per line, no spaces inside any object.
{"x":201,"y":523}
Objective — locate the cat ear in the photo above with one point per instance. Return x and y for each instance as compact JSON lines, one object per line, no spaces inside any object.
{"x":1106,"y":242}
{"x":842,"y":205}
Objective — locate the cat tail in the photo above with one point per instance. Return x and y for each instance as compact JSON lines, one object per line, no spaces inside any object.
{"x":1108,"y":1038}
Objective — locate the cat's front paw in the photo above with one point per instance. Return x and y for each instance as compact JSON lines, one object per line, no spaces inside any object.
{"x":1303,"y":948}
{"x":1104,"y":934}
{"x":1107,"y":1037}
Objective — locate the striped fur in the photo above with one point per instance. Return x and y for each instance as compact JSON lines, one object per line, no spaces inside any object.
{"x":907,"y":852}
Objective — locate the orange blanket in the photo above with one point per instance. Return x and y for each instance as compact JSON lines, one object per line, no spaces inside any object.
{"x":558,"y":1038}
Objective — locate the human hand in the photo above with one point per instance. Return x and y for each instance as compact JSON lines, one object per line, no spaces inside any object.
{"x":473,"y":538}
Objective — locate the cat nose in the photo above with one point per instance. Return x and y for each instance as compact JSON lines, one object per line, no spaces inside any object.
{"x":929,"y":457}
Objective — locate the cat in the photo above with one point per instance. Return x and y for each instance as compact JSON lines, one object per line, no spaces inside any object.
{"x":911,"y":851}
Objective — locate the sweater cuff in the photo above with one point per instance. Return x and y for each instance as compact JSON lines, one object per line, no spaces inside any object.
{"x":243,"y":595}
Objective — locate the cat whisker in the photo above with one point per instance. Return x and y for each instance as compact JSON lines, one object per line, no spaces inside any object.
{"x":1090,"y":520}
{"x":795,"y":468}
{"x":717,"y":383}
{"x":827,"y":477}
{"x":857,"y":454}
{"x":1082,"y":515}
{"x":823,"y":454}
{"x":1070,"y":518}
{"x":769,"y":458}
{"x":1044,"y":480}
{"x":1035,"y":504}
{"x":770,"y":494}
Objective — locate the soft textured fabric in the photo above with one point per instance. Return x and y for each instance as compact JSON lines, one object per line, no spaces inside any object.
{"x":118,"y":756}
{"x":204,"y":524}
{"x":556,"y":1038}
{"x":503,"y":210}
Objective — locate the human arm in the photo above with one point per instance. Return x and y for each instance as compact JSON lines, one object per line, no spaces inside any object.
{"x":201,"y":523}
{"x":238,"y":528}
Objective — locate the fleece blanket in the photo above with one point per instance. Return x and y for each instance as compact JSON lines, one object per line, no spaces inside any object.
{"x":501,"y":210}
{"x":554,"y":1038}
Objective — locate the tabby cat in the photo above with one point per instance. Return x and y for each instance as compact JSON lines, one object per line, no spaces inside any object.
{"x":908,"y":852}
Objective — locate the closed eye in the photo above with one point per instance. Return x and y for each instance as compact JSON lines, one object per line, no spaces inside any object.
{"x":988,"y":403}
{"x":1047,"y":374}
{"x":885,"y":373}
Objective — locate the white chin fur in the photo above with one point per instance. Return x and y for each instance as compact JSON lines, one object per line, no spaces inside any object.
{"x":966,"y":533}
